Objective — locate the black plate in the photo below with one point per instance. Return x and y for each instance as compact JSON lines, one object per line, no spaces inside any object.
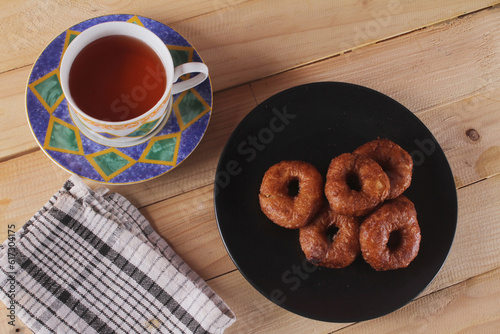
{"x":314,"y":123}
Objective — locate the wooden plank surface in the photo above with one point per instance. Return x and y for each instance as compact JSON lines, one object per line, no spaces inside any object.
{"x":473,"y":107}
{"x":15,"y":134}
{"x":448,"y":74}
{"x":469,"y":132}
{"x":240,"y":40}
{"x":27,"y":26}
{"x":323,"y":28}
{"x":188,"y":224}
{"x":475,"y":251}
{"x":476,"y":247}
{"x":448,"y":57}
{"x":27,"y":182}
{"x":472,"y":306}
{"x":433,"y":55}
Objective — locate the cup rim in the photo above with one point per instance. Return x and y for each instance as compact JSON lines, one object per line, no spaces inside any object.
{"x":165,"y":56}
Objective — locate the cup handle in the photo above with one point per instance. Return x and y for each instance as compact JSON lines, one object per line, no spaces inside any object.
{"x":186,"y":68}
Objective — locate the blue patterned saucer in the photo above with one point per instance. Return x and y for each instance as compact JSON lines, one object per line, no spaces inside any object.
{"x":54,"y":130}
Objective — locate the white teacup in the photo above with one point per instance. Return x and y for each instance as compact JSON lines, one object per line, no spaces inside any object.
{"x":131,"y":131}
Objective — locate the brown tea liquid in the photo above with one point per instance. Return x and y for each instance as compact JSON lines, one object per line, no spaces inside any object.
{"x":117,"y":78}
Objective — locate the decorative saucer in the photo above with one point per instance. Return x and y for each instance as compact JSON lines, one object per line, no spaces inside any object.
{"x":58,"y":136}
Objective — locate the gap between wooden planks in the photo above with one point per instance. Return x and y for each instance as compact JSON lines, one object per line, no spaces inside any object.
{"x":471,"y":306}
{"x":187,"y":223}
{"x":474,"y":96}
{"x":449,"y":109}
{"x":456,"y":58}
{"x":28,"y":182}
{"x":27,"y":26}
{"x":180,"y":218}
{"x":448,"y":56}
{"x":14,"y":130}
{"x":475,"y":251}
{"x":240,"y":42}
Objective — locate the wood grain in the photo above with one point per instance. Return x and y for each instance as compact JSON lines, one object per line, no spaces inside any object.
{"x":240,"y":41}
{"x":469,"y":132}
{"x":38,"y":177}
{"x":255,"y":39}
{"x":448,"y":74}
{"x":188,"y":224}
{"x":431,"y":67}
{"x":27,"y":182}
{"x":15,"y":133}
{"x":402,"y":68}
{"x":476,"y":250}
{"x":27,"y":26}
{"x":468,"y":304}
{"x":472,"y":306}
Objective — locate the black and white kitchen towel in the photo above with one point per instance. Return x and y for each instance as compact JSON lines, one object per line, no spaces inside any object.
{"x":89,"y":262}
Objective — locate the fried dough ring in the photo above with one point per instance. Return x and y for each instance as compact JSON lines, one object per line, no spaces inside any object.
{"x":286,"y":210}
{"x":378,"y":229}
{"x":346,"y":199}
{"x":394,"y":160}
{"x":341,"y":250}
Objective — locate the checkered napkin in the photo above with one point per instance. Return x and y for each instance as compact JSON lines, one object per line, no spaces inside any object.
{"x":89,"y":262}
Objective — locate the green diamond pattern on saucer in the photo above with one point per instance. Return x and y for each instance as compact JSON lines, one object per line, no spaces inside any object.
{"x":110,"y":162}
{"x":63,"y":137}
{"x":163,"y":150}
{"x":49,"y":90}
{"x":144,"y":129}
{"x":179,"y":56}
{"x":71,"y":37}
{"x":190,"y":107}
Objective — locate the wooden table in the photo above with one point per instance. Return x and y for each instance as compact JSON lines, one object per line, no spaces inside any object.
{"x":441,"y":59}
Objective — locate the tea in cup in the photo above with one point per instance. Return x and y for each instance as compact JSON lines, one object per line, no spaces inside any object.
{"x":118,"y":79}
